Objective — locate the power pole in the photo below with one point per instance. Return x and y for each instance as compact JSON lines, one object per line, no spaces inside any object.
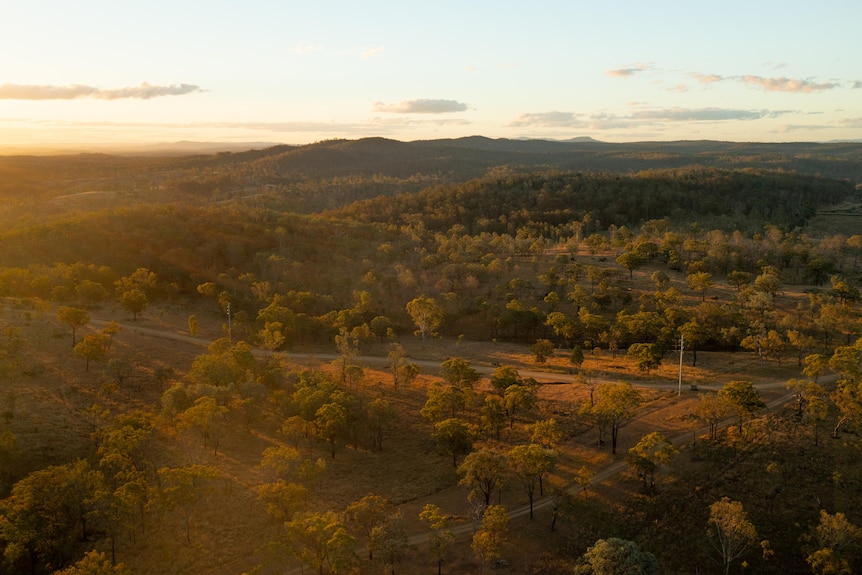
{"x":681,"y":348}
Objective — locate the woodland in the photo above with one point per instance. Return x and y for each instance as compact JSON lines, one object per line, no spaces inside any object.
{"x":451,"y":356}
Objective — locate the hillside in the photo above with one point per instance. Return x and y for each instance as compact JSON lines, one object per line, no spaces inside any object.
{"x":325,"y":358}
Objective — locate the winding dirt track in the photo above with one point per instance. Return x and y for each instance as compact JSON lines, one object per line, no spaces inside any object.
{"x":601,"y":475}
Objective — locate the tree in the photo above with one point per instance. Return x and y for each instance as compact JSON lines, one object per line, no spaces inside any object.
{"x":769,"y":283}
{"x":380,"y":417}
{"x":483,"y":471}
{"x":94,"y":563}
{"x":454,"y":437}
{"x":207,"y":416}
{"x":321,"y":540}
{"x":519,"y":398}
{"x":577,"y":357}
{"x":738,"y":279}
{"x":700,"y":282}
{"x":542,"y":350}
{"x":441,"y":532}
{"x":458,"y":371}
{"x":503,"y":377}
{"x":74,"y":317}
{"x":91,"y":347}
{"x":712,"y":409}
{"x":487,"y":541}
{"x":743,"y":397}
{"x":651,"y":451}
{"x":835,"y":545}
{"x":134,"y":301}
{"x":45,"y":515}
{"x":732,"y":533}
{"x":368,"y":513}
{"x":331,"y":422}
{"x":647,"y":356}
{"x":615,"y":556}
{"x":183,"y":488}
{"x":631,"y":261}
{"x":530,"y":464}
{"x":615,"y":404}
{"x":493,"y":415}
{"x":389,"y":539}
{"x":426,"y":314}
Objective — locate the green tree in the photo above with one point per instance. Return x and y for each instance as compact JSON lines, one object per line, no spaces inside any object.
{"x":647,"y":356}
{"x":743,"y":398}
{"x":631,"y":261}
{"x":331,"y":422}
{"x":94,"y":563}
{"x":389,"y":539}
{"x":835,"y":545}
{"x":712,"y":410}
{"x":74,"y":317}
{"x":615,"y":404}
{"x":207,"y":416}
{"x":426,"y":314}
{"x":322,"y":541}
{"x":616,"y":557}
{"x":91,"y":347}
{"x":368,"y":513}
{"x":701,"y":282}
{"x":183,"y":488}
{"x":730,"y":530}
{"x":542,"y":350}
{"x":458,"y":371}
{"x":441,"y":532}
{"x":652,"y":451}
{"x":531,"y":463}
{"x":488,"y":540}
{"x":483,"y":471}
{"x":134,"y":301}
{"x":454,"y":437}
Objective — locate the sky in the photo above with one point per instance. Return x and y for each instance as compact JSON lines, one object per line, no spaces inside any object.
{"x":133,"y":72}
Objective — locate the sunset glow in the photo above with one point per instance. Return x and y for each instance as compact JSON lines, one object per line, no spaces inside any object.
{"x":95,"y":73}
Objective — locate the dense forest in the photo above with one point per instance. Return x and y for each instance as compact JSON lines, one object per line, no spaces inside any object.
{"x":357,"y":355}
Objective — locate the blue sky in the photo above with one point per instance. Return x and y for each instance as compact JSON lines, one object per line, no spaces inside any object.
{"x":297,"y":72}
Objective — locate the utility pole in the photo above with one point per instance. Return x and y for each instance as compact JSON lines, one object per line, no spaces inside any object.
{"x":230,"y":331}
{"x":681,"y":348}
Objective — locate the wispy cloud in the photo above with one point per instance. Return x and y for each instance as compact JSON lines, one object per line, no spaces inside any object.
{"x":371,"y":52}
{"x":421,"y":106}
{"x":705,"y":114}
{"x":857,"y":85}
{"x":632,"y":70}
{"x":708,"y":78}
{"x":784,"y":84}
{"x":547,"y":120}
{"x":74,"y":91}
{"x":639,"y":117}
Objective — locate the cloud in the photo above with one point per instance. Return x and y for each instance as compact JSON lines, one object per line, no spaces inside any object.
{"x":704,"y":114}
{"x":371,"y":52}
{"x":421,"y":106}
{"x":857,"y":85}
{"x":708,"y":78}
{"x":74,"y":91}
{"x":627,"y":72}
{"x":639,"y":118}
{"x":784,"y":84}
{"x":547,"y":120}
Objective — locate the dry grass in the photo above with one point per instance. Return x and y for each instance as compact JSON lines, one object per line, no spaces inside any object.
{"x":231,"y":531}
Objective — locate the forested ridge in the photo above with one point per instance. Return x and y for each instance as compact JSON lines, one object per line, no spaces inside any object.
{"x":443,"y":342}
